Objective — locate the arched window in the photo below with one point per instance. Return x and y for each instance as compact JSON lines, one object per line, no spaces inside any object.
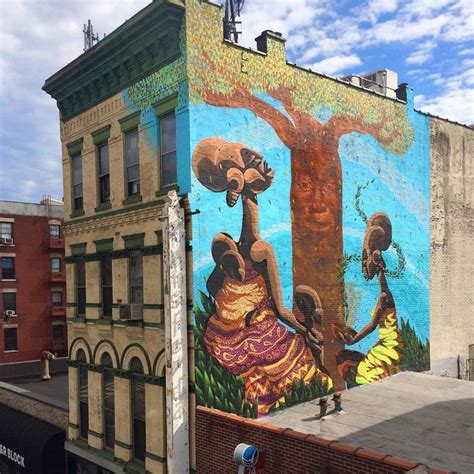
{"x":109,"y":401}
{"x":138,"y":410}
{"x":83,"y":394}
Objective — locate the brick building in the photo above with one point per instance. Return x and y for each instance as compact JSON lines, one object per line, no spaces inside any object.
{"x":32,"y":283}
{"x":307,"y":258}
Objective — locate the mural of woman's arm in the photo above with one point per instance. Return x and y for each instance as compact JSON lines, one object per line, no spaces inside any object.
{"x":262,"y":252}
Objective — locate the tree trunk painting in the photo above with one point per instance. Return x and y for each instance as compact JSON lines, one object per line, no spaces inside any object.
{"x":315,"y":198}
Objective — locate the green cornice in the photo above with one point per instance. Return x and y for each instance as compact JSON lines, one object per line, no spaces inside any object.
{"x":141,"y":46}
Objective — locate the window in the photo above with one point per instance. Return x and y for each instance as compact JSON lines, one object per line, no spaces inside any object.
{"x":168,"y":150}
{"x":10,"y":339}
{"x":81,"y":287}
{"x":109,"y":402}
{"x":9,"y":302}
{"x":54,"y":231}
{"x":83,"y":395}
{"x":106,"y":280}
{"x":8,"y":268}
{"x":136,"y":276}
{"x":57,"y":298}
{"x":58,"y":333}
{"x":76,"y":163}
{"x":138,"y":410}
{"x":103,"y":170}
{"x":6,"y":230}
{"x":132,"y":162}
{"x":55,"y":265}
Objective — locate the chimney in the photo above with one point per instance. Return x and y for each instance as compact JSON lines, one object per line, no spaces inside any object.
{"x":272,"y":43}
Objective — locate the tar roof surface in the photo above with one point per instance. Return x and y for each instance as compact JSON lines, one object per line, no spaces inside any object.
{"x":413,"y":416}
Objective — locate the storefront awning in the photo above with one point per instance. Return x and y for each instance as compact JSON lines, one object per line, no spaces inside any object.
{"x":30,"y":445}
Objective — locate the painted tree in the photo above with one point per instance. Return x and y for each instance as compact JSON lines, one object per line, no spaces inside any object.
{"x":290,"y":99}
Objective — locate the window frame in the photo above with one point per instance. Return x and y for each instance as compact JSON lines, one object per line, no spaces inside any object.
{"x":57,"y":341}
{"x":137,"y":378}
{"x":5,"y":349}
{"x":14,"y":301}
{"x":80,"y":289}
{"x":108,"y":409}
{"x":55,"y":272}
{"x":13,"y":275}
{"x":6,"y":235}
{"x":127,"y":165}
{"x":79,"y":199}
{"x":164,"y":155}
{"x":131,"y":287}
{"x":103,"y":175}
{"x":104,"y":286}
{"x":57,"y":292}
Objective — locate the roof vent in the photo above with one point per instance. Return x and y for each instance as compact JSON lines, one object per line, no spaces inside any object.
{"x":383,"y":81}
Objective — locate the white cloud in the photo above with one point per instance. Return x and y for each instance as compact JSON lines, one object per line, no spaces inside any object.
{"x":336,"y":64}
{"x":423,"y":53}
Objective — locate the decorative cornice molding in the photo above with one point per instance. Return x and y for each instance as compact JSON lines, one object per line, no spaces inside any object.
{"x":141,"y":46}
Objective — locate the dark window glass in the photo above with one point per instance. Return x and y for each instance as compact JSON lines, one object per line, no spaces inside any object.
{"x":76,"y":165}
{"x":58,"y":333}
{"x":132,"y":162}
{"x":109,"y":402}
{"x":57,"y":298}
{"x":10,"y":339}
{"x":83,"y":401}
{"x":9,"y":302}
{"x":6,"y":230}
{"x":56,"y":265}
{"x":138,"y":410}
{"x":104,"y":176}
{"x":81,"y":287}
{"x":136,"y":276}
{"x":168,"y":150}
{"x":106,"y":277}
{"x":8,"y":268}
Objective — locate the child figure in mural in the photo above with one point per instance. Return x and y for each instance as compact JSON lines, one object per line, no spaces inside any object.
{"x":245,"y":333}
{"x":384,"y":358}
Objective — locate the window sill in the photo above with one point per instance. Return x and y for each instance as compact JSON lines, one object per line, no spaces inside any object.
{"x":132,"y":199}
{"x":166,"y":189}
{"x":78,"y":213}
{"x":11,"y":352}
{"x":104,"y":206}
{"x":9,"y":279}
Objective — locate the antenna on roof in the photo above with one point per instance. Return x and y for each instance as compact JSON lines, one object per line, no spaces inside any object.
{"x":89,"y":37}
{"x":231,"y":13}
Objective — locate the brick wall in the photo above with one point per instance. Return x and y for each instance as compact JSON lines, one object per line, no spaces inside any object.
{"x":286,"y":451}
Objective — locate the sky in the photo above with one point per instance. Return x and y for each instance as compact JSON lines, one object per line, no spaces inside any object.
{"x":428,"y":42}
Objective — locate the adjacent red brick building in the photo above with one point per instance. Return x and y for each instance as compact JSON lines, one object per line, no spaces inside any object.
{"x":32,"y":280}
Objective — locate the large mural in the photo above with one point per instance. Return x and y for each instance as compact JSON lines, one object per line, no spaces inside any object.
{"x":311,"y":248}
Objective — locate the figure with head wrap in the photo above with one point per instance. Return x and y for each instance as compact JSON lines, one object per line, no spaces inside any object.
{"x":248,"y":332}
{"x":384,"y":357}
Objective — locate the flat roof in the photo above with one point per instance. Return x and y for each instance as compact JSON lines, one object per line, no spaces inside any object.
{"x":413,"y":416}
{"x":52,"y":392}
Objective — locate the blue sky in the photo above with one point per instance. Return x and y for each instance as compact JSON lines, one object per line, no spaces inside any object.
{"x":428,"y":42}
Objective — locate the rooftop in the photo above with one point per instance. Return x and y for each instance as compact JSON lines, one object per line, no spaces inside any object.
{"x":54,"y":209}
{"x":53,"y":392}
{"x":413,"y":416}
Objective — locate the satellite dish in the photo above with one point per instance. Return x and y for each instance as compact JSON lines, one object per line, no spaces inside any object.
{"x":232,"y":11}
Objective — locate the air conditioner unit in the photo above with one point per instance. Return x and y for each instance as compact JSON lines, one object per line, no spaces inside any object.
{"x":132,"y":311}
{"x":6,"y":241}
{"x":9,"y":312}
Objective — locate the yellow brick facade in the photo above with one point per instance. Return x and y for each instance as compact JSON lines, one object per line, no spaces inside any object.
{"x":121,"y":340}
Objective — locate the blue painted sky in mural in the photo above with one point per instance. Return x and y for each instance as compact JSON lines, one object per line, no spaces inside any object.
{"x":429,"y":42}
{"x":396,"y":183}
